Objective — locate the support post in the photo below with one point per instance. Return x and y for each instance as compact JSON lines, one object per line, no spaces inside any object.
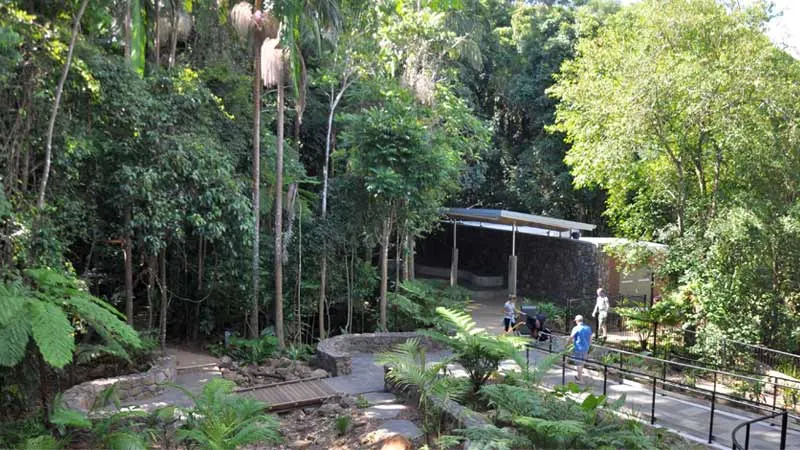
{"x":747,"y":437}
{"x":655,"y":336}
{"x":713,"y":406}
{"x":563,"y":370}
{"x":653,"y":406}
{"x":454,"y":259}
{"x":784,"y":426}
{"x":605,"y":378}
{"x":774,"y":392}
{"x":527,"y":358}
{"x":512,"y":276}
{"x":512,"y":263}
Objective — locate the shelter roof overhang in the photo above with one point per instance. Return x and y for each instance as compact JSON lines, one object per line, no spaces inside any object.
{"x":516,"y":219}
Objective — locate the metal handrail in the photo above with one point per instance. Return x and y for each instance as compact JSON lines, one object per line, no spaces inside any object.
{"x":692,"y":366}
{"x":655,"y":380}
{"x":746,"y":425}
{"x":710,"y":393}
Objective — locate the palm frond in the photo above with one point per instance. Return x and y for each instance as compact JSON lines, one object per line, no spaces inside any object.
{"x":241,"y":18}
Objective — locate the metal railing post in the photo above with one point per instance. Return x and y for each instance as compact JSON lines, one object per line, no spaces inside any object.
{"x":621,"y":373}
{"x":655,"y":336}
{"x":747,"y":437}
{"x":653,"y":406}
{"x":713,"y":406}
{"x":784,"y":426}
{"x":774,"y":392}
{"x":527,"y":358}
{"x":563,"y":370}
{"x":605,"y":377}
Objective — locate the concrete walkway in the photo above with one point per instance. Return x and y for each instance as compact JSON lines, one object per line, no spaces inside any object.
{"x":688,"y":416}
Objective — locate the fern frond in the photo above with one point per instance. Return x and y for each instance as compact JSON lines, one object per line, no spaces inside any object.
{"x":124,"y":441}
{"x":14,"y":339}
{"x":489,"y":437}
{"x":516,"y":401}
{"x":63,"y":417}
{"x":52,"y":332}
{"x":44,"y":442}
{"x":563,"y":431}
{"x":107,"y":324}
{"x":12,"y":298}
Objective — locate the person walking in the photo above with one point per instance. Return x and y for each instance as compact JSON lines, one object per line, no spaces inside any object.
{"x":509,"y":313}
{"x":581,"y":337}
{"x":601,"y":312}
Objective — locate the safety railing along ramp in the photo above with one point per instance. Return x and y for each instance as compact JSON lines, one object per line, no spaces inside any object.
{"x":290,"y":394}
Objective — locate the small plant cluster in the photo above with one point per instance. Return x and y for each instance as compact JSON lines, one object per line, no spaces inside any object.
{"x":219,"y":420}
{"x":257,"y":351}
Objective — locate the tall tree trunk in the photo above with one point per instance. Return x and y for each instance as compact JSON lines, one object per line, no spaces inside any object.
{"x":279,"y":217}
{"x":406,"y":260}
{"x":201,"y":262}
{"x":349,"y":290}
{"x":397,"y":260}
{"x":324,"y":269}
{"x":152,"y":267}
{"x":158,"y":31}
{"x":48,"y":153}
{"x":162,"y":285}
{"x":411,"y":262}
{"x":128,"y":33}
{"x":173,"y":34}
{"x":385,"y":235}
{"x":298,"y":322}
{"x":128,"y":254}
{"x":253,"y":326}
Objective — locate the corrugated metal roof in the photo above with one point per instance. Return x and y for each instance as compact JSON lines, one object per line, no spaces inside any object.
{"x":504,"y":217}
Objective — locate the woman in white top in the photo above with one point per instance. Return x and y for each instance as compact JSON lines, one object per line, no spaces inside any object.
{"x":601,"y":308}
{"x":509,"y":313}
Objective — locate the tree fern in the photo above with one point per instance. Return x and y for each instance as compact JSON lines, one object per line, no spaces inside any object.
{"x":476,"y":350}
{"x":52,"y":332}
{"x":221,"y":420}
{"x":52,"y":310}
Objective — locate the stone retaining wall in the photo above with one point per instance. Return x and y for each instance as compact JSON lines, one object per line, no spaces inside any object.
{"x":334,"y":354}
{"x":128,"y":387}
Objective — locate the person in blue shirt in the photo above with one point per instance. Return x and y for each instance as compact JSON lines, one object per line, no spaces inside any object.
{"x":581,"y":337}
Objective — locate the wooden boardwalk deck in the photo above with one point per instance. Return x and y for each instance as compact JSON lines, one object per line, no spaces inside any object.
{"x":290,"y":394}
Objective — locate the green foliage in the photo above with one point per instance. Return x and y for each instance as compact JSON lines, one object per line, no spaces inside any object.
{"x":414,"y":304}
{"x":479,"y":352}
{"x":490,"y":437}
{"x":343,"y":424}
{"x":362,"y":402}
{"x":221,"y":420}
{"x":52,"y":311}
{"x":409,"y":368}
{"x":44,"y":442}
{"x":250,"y":351}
